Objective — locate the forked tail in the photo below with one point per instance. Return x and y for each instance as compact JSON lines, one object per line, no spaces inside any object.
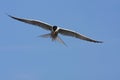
{"x":60,"y":40}
{"x":45,"y":35}
{"x":53,"y":39}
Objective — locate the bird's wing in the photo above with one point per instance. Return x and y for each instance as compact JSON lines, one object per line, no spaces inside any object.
{"x":34,"y":22}
{"x":76,"y":35}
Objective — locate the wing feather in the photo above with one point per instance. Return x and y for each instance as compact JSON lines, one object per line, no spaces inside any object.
{"x":34,"y":22}
{"x":76,"y":35}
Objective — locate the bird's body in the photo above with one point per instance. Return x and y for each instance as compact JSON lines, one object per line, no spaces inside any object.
{"x":55,"y":30}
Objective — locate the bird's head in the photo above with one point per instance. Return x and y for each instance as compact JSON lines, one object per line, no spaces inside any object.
{"x":54,"y":28}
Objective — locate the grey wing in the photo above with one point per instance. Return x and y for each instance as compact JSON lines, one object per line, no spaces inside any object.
{"x":34,"y":22}
{"x":76,"y":35}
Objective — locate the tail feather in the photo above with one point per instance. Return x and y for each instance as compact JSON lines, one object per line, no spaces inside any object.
{"x":45,"y":35}
{"x":53,"y":39}
{"x":60,"y":40}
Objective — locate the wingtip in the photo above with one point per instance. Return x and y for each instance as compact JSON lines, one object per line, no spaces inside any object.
{"x":10,"y":16}
{"x":15,"y":18}
{"x":99,"y":42}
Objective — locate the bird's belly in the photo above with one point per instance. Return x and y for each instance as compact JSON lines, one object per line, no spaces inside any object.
{"x":54,"y":34}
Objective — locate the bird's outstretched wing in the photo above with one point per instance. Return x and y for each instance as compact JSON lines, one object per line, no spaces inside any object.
{"x":76,"y":35}
{"x":34,"y":22}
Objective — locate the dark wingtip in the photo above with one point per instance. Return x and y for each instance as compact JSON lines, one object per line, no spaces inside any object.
{"x":10,"y":16}
{"x":15,"y":18}
{"x":98,"y":41}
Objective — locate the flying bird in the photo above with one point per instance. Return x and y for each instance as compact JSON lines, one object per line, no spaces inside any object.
{"x":55,"y":30}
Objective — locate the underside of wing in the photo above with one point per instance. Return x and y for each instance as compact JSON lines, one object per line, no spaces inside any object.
{"x":76,"y":35}
{"x":34,"y":22}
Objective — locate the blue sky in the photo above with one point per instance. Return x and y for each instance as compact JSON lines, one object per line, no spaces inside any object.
{"x":25,"y":56}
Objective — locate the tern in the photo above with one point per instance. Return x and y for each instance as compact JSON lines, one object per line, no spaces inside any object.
{"x":55,"y":30}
